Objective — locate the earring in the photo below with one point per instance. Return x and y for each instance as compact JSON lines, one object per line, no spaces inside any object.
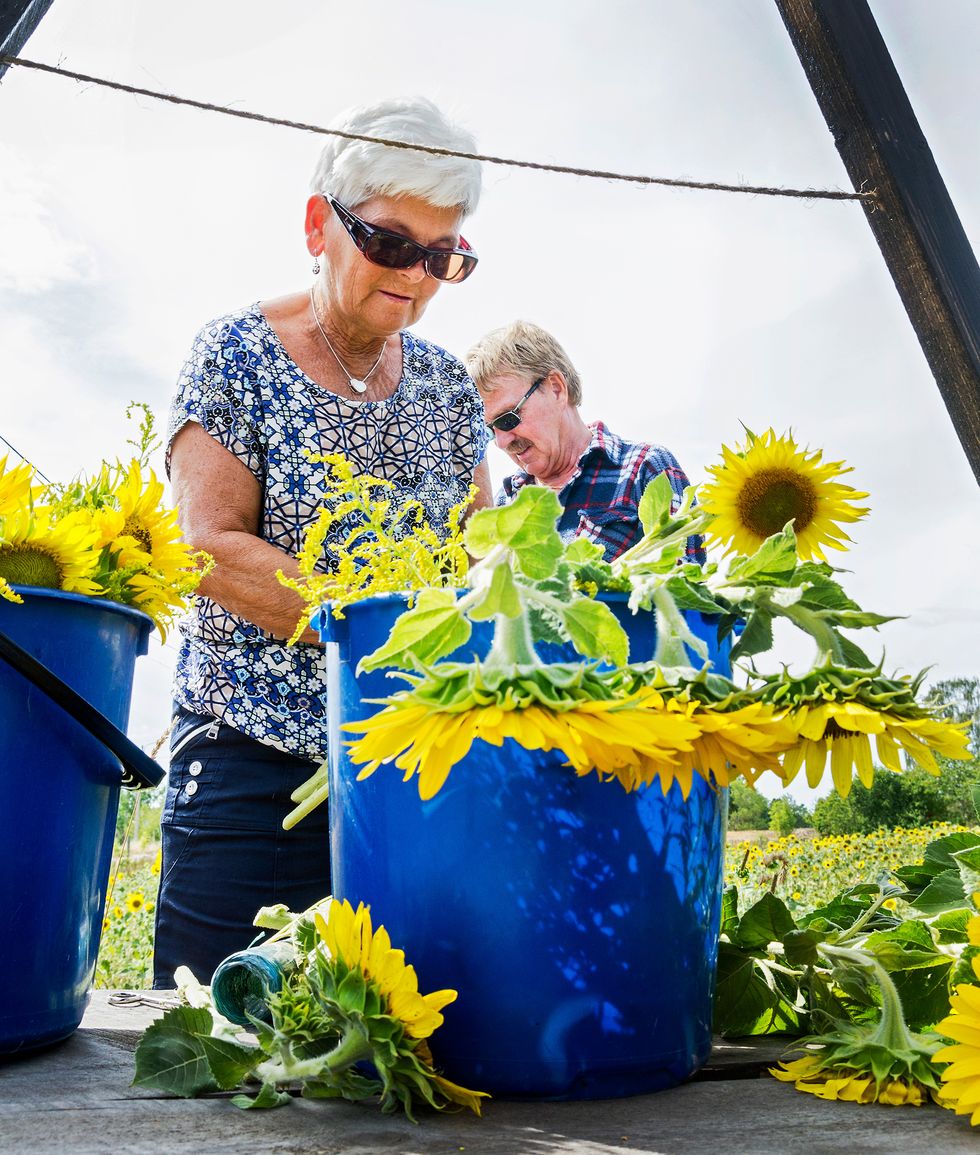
{"x":316,"y":265}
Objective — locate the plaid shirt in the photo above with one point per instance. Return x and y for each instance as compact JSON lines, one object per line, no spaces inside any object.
{"x":601,"y":502}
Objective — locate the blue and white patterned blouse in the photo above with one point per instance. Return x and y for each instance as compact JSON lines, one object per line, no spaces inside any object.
{"x":241,"y":385}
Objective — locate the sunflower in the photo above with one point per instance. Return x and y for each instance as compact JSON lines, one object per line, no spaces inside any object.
{"x":843,"y":730}
{"x":621,"y":738}
{"x":348,"y":935}
{"x":741,"y":742}
{"x":15,"y":487}
{"x":360,"y":990}
{"x":135,"y":901}
{"x":761,"y":486}
{"x":849,"y":1085}
{"x":35,"y":551}
{"x":148,"y":565}
{"x":961,"y":1079}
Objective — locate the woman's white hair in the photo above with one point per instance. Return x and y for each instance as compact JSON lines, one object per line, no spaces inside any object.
{"x":354,"y":170}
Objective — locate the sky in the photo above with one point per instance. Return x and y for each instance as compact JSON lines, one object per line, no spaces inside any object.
{"x":125,"y":224}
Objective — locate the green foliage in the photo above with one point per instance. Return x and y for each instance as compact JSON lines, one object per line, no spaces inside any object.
{"x":781,"y":817}
{"x":747,"y":809}
{"x":914,"y":798}
{"x":126,"y":947}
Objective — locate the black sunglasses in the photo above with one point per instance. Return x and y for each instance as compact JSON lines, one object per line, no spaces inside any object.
{"x":510,"y":419}
{"x":393,"y":251}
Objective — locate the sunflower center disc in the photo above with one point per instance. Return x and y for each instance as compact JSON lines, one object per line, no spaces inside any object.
{"x":29,"y":567}
{"x":772,"y":497}
{"x":139,"y":531}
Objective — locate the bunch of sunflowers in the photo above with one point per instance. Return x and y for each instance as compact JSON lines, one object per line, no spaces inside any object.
{"x":108,"y":536}
{"x":774,"y":508}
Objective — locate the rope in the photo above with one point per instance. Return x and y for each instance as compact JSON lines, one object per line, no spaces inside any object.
{"x":568,"y":170}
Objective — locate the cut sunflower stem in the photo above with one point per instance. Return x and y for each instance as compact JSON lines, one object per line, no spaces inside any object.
{"x":512,"y":644}
{"x":673,"y":632}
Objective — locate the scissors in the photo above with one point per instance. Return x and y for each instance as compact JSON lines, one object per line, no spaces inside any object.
{"x":139,"y":999}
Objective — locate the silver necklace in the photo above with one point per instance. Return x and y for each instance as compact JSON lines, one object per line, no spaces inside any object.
{"x":357,"y":384}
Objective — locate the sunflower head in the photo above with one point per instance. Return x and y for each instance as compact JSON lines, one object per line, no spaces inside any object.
{"x":35,"y":551}
{"x":769,"y":481}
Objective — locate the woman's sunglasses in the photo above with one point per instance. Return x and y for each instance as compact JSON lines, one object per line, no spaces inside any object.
{"x":393,"y":251}
{"x":510,"y":419}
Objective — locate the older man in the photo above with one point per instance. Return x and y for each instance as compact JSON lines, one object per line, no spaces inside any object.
{"x":532,"y":393}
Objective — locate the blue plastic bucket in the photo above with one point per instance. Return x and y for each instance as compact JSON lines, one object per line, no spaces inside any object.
{"x":60,"y":789}
{"x":578,"y":923}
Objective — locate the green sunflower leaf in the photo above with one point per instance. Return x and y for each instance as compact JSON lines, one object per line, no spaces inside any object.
{"x":729,"y":911}
{"x":774,"y":559}
{"x":502,"y":597}
{"x":748,"y":999}
{"x":526,"y":527}
{"x":756,"y":637}
{"x":909,"y":946}
{"x":924,"y":993}
{"x":171,"y":1057}
{"x":654,"y":507}
{"x":944,"y":892}
{"x":595,"y":631}
{"x":768,"y":920}
{"x":268,"y":1096}
{"x":691,"y":595}
{"x":431,"y":630}
{"x":230,"y":1062}
{"x":950,"y":926}
{"x":851,"y":652}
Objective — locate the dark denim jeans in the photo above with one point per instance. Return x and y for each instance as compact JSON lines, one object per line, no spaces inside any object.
{"x":225,"y":853}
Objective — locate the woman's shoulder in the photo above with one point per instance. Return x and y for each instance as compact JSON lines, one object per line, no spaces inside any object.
{"x":242,"y":325}
{"x":426,"y":361}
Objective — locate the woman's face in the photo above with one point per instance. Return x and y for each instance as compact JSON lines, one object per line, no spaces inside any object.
{"x":371,"y":298}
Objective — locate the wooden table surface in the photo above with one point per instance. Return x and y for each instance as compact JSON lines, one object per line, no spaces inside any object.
{"x":75,"y":1098}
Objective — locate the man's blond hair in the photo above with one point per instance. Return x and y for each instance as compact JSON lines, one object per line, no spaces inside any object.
{"x":521,"y":347}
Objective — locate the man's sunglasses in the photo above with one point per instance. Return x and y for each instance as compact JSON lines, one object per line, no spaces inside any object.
{"x":393,"y":251}
{"x":509,"y":420}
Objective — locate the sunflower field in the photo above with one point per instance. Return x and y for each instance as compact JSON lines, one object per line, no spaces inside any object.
{"x":126,"y":953}
{"x":807,"y":872}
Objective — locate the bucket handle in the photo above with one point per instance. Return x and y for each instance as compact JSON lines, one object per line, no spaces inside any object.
{"x":139,"y":769}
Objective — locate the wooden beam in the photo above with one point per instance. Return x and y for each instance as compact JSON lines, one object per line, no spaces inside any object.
{"x":18,"y":19}
{"x":914,"y":222}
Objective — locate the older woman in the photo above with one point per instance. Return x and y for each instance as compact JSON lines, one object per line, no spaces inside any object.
{"x":532,"y":393}
{"x":330,"y":368}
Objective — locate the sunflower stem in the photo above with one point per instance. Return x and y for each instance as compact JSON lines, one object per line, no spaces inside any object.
{"x":512,"y":643}
{"x":351,"y":1049}
{"x":673,"y":632}
{"x":892,"y":1031}
{"x":828,"y":643}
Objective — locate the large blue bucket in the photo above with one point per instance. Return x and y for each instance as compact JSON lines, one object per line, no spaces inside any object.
{"x":578,"y":923}
{"x":60,"y":789}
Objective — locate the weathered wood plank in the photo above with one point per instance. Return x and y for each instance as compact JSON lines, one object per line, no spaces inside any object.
{"x":18,"y":19}
{"x":759,"y":1117}
{"x":76,"y":1096}
{"x":916,"y":226}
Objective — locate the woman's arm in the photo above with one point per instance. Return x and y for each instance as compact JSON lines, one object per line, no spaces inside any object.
{"x":219,"y":505}
{"x":484,"y":496}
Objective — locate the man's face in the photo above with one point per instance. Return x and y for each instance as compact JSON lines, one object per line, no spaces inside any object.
{"x":534,"y":443}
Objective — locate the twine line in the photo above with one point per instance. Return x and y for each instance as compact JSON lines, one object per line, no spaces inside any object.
{"x":867,"y":196}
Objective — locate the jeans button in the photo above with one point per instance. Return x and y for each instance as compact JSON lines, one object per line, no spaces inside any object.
{"x":190,"y":789}
{"x":194,"y":769}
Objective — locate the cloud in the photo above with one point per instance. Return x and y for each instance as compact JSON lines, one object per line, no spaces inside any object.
{"x":37,"y":253}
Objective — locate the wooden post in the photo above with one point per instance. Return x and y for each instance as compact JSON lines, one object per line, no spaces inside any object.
{"x":914,"y":222}
{"x":18,"y":19}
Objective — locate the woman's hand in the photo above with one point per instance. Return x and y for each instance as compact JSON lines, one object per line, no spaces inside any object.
{"x":219,"y":505}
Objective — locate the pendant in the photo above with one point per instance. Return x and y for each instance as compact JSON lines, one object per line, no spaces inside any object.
{"x":358,"y":386}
